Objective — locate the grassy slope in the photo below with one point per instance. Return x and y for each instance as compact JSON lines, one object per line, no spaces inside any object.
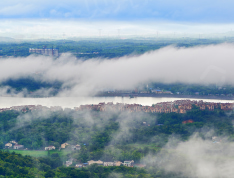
{"x":40,"y":153}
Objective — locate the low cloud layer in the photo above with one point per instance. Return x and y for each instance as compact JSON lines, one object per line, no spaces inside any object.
{"x":31,"y":29}
{"x":196,"y":158}
{"x":203,"y":65}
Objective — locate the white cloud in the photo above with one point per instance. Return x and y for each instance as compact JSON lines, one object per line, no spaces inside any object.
{"x":204,"y":65}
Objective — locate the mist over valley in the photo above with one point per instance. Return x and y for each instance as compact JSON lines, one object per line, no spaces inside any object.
{"x":116,"y":89}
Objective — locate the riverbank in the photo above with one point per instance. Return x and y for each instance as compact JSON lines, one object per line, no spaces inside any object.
{"x":132,"y":95}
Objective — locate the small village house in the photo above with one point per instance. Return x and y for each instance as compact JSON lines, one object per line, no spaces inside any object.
{"x":64,"y":145}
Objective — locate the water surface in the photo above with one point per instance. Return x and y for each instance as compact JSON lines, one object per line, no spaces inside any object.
{"x":71,"y":102}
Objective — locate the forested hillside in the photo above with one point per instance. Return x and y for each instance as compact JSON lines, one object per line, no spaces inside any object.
{"x":102,"y":135}
{"x":16,"y":165}
{"x":105,"y":48}
{"x":105,"y":134}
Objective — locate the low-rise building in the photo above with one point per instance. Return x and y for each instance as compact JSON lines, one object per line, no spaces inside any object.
{"x":188,"y":121}
{"x":128,"y":163}
{"x":79,"y":165}
{"x":85,"y":164}
{"x":64,"y":145}
{"x":168,"y":92}
{"x":76,"y":147}
{"x":50,"y":148}
{"x":8,"y":145}
{"x":13,"y":142}
{"x":99,"y":162}
{"x":17,"y":147}
{"x":108,"y":163}
{"x":117,"y":163}
{"x":182,"y":111}
{"x":68,"y":163}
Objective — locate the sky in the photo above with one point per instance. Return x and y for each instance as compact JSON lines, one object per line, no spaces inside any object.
{"x":196,"y":11}
{"x":86,"y":17}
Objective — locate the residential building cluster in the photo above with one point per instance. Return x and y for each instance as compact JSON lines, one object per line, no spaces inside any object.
{"x":178,"y":106}
{"x":161,"y":92}
{"x":13,"y":144}
{"x":102,"y":163}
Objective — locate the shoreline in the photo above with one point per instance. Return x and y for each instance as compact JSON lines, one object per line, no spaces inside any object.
{"x":133,"y":95}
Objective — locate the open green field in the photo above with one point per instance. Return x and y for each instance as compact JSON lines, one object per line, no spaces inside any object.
{"x":142,"y":146}
{"x":40,"y":153}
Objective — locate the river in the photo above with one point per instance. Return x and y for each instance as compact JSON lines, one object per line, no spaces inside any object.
{"x":71,"y":102}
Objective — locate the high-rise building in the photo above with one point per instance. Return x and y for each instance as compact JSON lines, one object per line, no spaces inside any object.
{"x":45,"y":51}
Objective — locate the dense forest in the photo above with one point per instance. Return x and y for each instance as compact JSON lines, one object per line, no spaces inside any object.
{"x":31,"y":84}
{"x":104,"y":48}
{"x":194,"y":89}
